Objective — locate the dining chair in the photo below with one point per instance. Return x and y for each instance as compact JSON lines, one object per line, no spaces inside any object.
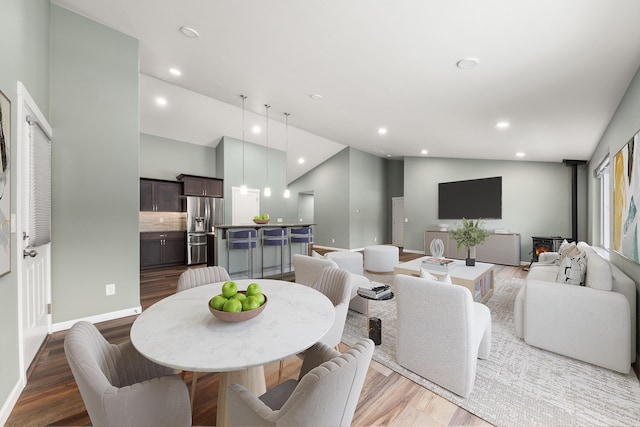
{"x":119,"y":386}
{"x":326,"y":392}
{"x":197,"y":277}
{"x":201,"y":276}
{"x":441,"y":332}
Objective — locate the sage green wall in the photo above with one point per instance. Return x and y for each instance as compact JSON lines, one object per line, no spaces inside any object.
{"x":24,"y":56}
{"x":163,"y":158}
{"x":536,"y":197}
{"x":367,"y":200}
{"x":95,"y":177}
{"x":623,"y":126}
{"x":330,"y":183}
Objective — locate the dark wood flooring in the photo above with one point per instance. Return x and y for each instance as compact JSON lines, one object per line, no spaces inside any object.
{"x":51,"y":397}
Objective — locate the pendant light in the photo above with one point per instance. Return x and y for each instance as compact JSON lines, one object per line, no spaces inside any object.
{"x":267,"y":189}
{"x":287,"y":193}
{"x":243,"y":187}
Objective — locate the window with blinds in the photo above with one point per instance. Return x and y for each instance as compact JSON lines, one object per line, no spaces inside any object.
{"x":39,"y":185}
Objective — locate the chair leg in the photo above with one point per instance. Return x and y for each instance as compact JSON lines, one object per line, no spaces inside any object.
{"x":194,"y":381}
{"x":280,"y":371}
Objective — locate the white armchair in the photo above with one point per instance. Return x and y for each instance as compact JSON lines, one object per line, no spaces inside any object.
{"x":441,"y":332}
{"x":307,"y":269}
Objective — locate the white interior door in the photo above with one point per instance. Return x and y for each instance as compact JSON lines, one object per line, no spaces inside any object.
{"x":244,"y":206}
{"x":34,"y":263}
{"x":397,"y":231}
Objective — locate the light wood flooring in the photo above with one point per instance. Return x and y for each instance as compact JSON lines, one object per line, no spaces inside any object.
{"x":51,"y":397}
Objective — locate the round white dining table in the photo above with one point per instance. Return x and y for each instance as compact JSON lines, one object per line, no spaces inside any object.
{"x":180,"y":332}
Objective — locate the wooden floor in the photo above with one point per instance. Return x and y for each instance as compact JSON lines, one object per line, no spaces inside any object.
{"x":51,"y":397}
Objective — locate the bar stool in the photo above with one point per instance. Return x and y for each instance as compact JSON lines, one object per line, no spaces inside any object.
{"x":275,"y":237}
{"x":302,"y":235}
{"x":242,"y":239}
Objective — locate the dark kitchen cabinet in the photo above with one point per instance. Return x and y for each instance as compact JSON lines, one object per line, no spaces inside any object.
{"x":161,"y":196}
{"x":201,"y":186}
{"x":160,"y":249}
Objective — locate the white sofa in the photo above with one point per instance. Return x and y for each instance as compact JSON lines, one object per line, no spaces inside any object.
{"x":595,"y":323}
{"x":307,"y":269}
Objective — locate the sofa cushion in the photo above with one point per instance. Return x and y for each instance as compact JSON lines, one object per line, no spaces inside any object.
{"x":572,"y":270}
{"x":599,"y":274}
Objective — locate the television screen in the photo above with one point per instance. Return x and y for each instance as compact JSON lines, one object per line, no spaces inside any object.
{"x":471,"y":199}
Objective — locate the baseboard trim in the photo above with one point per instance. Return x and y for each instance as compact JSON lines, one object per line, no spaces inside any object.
{"x":11,"y":401}
{"x":62,"y":326}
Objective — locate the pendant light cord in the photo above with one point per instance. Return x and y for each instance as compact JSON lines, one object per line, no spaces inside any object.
{"x":267,"y":108}
{"x":243,"y":98}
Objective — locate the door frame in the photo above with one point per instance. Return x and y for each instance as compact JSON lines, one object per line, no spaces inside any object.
{"x":25,"y":106}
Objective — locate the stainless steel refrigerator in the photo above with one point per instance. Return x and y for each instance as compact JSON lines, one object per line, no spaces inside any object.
{"x":203,"y":214}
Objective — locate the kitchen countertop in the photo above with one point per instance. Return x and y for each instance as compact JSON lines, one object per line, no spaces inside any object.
{"x":270,"y":225}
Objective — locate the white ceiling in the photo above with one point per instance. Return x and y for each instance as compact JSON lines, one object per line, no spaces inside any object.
{"x":555,"y":69}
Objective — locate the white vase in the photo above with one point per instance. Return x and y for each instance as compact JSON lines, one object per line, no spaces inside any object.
{"x":437,"y":248}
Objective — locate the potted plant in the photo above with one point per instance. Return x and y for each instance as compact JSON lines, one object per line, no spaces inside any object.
{"x":470,"y":234}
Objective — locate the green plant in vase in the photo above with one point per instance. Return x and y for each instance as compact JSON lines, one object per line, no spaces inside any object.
{"x":470,"y":234}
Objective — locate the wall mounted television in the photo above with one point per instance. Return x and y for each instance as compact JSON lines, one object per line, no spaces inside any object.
{"x":471,"y":199}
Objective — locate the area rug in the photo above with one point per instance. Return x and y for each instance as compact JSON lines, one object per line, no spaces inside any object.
{"x":518,"y":385}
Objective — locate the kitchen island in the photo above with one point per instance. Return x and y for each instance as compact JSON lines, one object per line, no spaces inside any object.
{"x":264,"y":250}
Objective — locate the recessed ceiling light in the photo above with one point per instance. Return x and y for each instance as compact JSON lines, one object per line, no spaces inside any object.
{"x":502,"y":125}
{"x":161,"y":101}
{"x":424,"y":152}
{"x":315,"y":96}
{"x":467,"y":63}
{"x":175,"y":71}
{"x":256,"y":129}
{"x":189,"y":32}
{"x":301,"y":160}
{"x":388,"y":155}
{"x":382,"y":131}
{"x":520,"y":154}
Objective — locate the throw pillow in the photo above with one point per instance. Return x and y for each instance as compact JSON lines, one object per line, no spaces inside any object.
{"x":424,"y":274}
{"x":572,"y":270}
{"x":445,"y":279}
{"x":569,"y":250}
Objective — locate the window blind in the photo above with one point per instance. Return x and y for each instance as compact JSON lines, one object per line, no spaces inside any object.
{"x":39,"y":185}
{"x":602,"y":168}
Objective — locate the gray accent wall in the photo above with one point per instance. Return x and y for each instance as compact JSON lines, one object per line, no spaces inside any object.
{"x":163,"y":158}
{"x":95,"y":178}
{"x":536,"y":197}
{"x":623,"y":126}
{"x":24,"y":56}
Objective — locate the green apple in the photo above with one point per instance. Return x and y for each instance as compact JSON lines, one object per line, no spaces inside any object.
{"x":260,"y":297}
{"x":257,"y":217}
{"x":229,"y":289}
{"x":232,"y":306}
{"x":240,"y":297}
{"x":253,"y":289}
{"x":217,"y":302}
{"x":250,"y":303}
{"x":265,"y":216}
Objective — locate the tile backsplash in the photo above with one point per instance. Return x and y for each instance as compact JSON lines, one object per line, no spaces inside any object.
{"x":163,"y":221}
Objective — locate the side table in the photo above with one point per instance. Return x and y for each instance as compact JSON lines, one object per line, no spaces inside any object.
{"x":373,"y":323}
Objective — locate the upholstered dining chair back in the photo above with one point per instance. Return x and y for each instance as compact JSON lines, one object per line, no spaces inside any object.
{"x":335,"y":284}
{"x":119,"y":386}
{"x":308,"y":268}
{"x":441,"y":332}
{"x":201,"y":276}
{"x":325,"y":394}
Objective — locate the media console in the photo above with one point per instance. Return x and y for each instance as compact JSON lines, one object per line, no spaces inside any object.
{"x":497,"y":249}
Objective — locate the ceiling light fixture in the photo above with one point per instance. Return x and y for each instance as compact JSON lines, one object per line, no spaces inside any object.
{"x":520,"y":154}
{"x":467,"y":63}
{"x":301,"y":160}
{"x":315,"y":96}
{"x":267,"y":189}
{"x":189,"y":32}
{"x":243,"y":187}
{"x":424,"y":152}
{"x":502,"y":125}
{"x":175,"y":72}
{"x":161,"y":101}
{"x":287,"y":193}
{"x":382,"y":131}
{"x":256,"y":129}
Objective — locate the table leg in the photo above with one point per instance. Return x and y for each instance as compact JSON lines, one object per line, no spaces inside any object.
{"x":252,"y":379}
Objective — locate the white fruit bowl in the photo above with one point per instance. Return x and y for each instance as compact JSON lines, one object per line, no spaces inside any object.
{"x":240,"y":316}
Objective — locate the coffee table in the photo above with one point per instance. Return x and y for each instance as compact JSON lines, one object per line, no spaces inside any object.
{"x":479,"y":279}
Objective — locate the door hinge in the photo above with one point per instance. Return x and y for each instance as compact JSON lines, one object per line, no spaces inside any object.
{"x":49,"y":308}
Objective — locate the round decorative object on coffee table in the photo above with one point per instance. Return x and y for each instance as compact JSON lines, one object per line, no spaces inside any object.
{"x":437,"y":248}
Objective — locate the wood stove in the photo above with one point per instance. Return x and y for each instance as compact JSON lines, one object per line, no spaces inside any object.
{"x":546,"y":244}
